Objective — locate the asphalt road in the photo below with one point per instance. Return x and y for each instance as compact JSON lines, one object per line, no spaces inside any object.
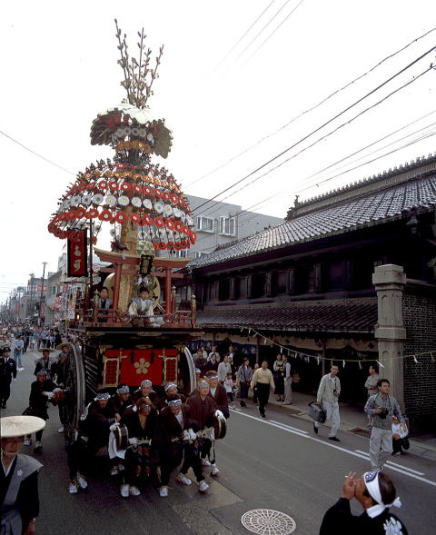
{"x":277,"y":463}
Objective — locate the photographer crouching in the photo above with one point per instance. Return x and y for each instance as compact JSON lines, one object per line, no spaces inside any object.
{"x":382,"y":407}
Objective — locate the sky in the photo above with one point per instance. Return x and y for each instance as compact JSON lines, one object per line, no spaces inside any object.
{"x":234,"y":76}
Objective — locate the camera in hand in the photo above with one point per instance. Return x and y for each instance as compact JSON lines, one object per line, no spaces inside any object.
{"x":384,"y":412}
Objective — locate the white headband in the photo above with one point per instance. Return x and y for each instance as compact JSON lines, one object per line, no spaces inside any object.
{"x":372,"y":484}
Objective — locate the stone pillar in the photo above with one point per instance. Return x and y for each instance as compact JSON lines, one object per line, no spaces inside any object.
{"x":389,"y":281}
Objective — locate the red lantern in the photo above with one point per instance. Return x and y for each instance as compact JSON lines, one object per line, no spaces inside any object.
{"x":135,"y":218}
{"x":102,"y":184}
{"x":159,"y":222}
{"x":113,"y":185}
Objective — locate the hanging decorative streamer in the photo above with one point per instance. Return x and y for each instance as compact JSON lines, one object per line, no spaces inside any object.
{"x":317,"y":360}
{"x":343,"y":363}
{"x":300,"y":355}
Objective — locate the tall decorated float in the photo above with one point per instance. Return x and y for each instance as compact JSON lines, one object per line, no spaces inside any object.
{"x":149,"y":220}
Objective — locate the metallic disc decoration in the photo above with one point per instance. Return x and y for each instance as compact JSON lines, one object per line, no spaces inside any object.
{"x":86,"y":200}
{"x":110,"y":200}
{"x":123,"y":200}
{"x":136,"y":201}
{"x":168,"y":211}
{"x":75,"y":200}
{"x":268,"y":522}
{"x":159,"y":207}
{"x":97,"y":198}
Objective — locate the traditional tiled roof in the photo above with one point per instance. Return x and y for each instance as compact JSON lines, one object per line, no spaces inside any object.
{"x":357,"y":315}
{"x":370,"y":202}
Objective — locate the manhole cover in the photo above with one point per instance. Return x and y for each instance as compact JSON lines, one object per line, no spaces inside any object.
{"x":268,"y":522}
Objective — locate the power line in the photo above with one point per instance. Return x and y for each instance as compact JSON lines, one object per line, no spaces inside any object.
{"x":312,"y":108}
{"x":334,"y":164}
{"x":51,"y":162}
{"x":431,"y":134}
{"x":245,"y":33}
{"x":304,"y":149}
{"x":426,"y":136}
{"x":275,"y":30}
{"x":304,"y":138}
{"x":323,"y":181}
{"x":263,"y":29}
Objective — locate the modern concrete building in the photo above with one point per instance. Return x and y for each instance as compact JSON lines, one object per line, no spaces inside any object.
{"x":220,"y":223}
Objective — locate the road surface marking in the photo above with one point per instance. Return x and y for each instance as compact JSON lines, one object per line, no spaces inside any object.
{"x":290,"y":427}
{"x":354,"y":453}
{"x":273,"y":424}
{"x":395,"y":464}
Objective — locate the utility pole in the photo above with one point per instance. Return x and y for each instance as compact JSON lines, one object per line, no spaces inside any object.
{"x":42,"y":294}
{"x":32,"y":275}
{"x":19,"y":291}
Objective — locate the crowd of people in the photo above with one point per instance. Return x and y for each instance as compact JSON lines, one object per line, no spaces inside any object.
{"x":146,"y":435}
{"x":239,"y":377}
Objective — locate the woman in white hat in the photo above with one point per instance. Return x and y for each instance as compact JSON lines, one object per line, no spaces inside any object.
{"x":18,"y":476}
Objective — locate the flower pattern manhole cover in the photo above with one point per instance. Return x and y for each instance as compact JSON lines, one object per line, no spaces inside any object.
{"x":268,"y":522}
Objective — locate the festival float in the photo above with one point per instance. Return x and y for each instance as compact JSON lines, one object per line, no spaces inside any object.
{"x":150,"y":221}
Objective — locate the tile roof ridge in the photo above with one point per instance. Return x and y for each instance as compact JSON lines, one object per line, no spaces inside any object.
{"x":405,"y":172}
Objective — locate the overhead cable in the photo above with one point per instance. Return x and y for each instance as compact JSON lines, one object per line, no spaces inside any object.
{"x":323,"y":125}
{"x":51,"y":162}
{"x":263,"y":29}
{"x":312,"y":108}
{"x":275,"y":30}
{"x":247,"y":31}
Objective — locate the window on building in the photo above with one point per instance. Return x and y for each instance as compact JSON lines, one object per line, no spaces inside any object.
{"x":228,"y":226}
{"x":258,"y":285}
{"x":279,"y":280}
{"x":205,"y":224}
{"x":302,"y":278}
{"x":224,"y":289}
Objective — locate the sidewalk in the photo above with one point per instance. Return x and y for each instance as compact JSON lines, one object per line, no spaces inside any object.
{"x":354,"y":420}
